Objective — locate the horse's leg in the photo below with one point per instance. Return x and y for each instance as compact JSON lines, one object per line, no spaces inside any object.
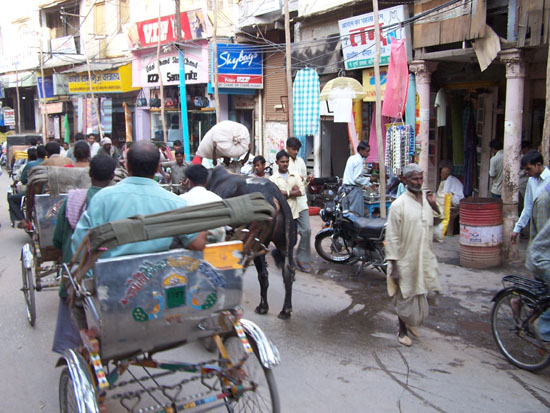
{"x":263,"y":278}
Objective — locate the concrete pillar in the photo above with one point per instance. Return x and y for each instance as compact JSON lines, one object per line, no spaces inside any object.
{"x":423,"y":71}
{"x":513,"y":117}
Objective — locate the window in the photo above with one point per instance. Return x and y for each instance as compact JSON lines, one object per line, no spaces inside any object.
{"x":123,"y":13}
{"x":99,"y":18}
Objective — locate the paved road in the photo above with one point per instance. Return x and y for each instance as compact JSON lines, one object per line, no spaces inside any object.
{"x":339,"y":351}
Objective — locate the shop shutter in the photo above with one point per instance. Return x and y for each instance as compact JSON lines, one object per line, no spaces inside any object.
{"x":275,"y":87}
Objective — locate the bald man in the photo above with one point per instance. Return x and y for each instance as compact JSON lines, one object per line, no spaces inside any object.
{"x":450,"y":185}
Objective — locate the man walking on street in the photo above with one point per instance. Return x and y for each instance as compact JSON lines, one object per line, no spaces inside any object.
{"x":536,"y":206}
{"x":354,"y":181}
{"x":297,"y":167}
{"x":177,"y":171}
{"x":412,"y":265}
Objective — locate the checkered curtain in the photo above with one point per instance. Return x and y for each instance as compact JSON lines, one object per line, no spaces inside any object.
{"x":305,"y":94}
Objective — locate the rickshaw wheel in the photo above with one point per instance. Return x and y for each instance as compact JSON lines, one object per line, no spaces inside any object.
{"x":28,"y":292}
{"x":67,"y":397}
{"x":264,"y":397}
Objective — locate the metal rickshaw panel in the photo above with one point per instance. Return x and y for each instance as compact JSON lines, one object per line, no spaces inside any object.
{"x":157,"y":301}
{"x":45,"y":217}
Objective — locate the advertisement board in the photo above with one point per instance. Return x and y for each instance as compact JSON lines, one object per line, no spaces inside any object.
{"x":239,"y":66}
{"x":357,"y":34}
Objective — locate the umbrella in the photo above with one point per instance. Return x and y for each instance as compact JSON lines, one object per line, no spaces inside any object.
{"x":342,"y":88}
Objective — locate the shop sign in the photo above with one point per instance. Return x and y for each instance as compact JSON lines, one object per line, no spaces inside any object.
{"x":148,"y":73}
{"x":104,"y":81}
{"x":357,"y":34}
{"x":9,"y":117}
{"x":239,"y":66}
{"x":51,"y":108}
{"x":369,"y":84}
{"x":193,"y":26}
{"x":48,"y":87}
{"x":63,"y":44}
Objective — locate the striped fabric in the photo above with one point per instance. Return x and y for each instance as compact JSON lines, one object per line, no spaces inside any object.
{"x":305,"y":94}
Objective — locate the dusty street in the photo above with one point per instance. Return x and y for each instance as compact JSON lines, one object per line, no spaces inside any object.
{"x":339,"y":350}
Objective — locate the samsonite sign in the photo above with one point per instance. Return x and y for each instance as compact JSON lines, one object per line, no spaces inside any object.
{"x":239,"y":66}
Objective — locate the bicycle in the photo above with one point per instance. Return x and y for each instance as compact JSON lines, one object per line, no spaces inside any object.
{"x":517,"y":306}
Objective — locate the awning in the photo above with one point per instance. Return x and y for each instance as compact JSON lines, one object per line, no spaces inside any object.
{"x":96,"y":66}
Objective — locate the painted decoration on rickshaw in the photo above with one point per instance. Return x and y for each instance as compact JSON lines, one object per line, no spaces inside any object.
{"x":147,"y":301}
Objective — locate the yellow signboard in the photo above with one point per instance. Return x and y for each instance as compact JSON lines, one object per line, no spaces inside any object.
{"x":117,"y":80}
{"x":369,"y":86}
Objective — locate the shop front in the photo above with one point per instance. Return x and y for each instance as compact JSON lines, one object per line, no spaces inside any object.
{"x":112,"y":86}
{"x":240,"y":76}
{"x":146,"y":75}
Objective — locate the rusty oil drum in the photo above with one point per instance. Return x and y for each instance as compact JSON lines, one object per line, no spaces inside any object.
{"x":480,"y":232}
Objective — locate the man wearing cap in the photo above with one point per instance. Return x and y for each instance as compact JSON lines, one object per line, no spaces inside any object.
{"x":107,"y":149}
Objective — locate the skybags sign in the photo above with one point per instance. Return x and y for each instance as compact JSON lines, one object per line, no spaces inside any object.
{"x":239,"y":67}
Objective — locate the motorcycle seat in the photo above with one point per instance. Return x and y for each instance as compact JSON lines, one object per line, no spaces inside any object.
{"x":370,"y":227}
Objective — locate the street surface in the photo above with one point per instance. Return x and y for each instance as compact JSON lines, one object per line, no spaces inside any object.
{"x":339,"y":350}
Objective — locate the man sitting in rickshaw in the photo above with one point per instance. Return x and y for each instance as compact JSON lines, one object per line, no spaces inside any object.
{"x":138,"y":194}
{"x":102,"y":171}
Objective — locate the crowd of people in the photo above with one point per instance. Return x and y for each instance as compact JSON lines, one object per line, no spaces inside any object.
{"x":412,"y":272}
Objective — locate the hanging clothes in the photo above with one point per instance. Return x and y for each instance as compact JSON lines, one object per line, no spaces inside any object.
{"x":456,"y":131}
{"x":441,"y":106}
{"x":410,"y":108}
{"x":470,"y":155}
{"x":397,"y":83}
{"x":373,"y":142}
{"x":400,"y":143}
{"x":305,"y":98}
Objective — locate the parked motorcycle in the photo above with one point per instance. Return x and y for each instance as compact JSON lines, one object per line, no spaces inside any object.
{"x":321,"y":190}
{"x":349,"y":239}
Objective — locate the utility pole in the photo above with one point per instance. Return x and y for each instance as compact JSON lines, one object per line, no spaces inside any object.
{"x":290,"y":105}
{"x":215,"y":61}
{"x":379,"y":141}
{"x":19,"y":102}
{"x":183,"y":92}
{"x":546,"y":128}
{"x":161,"y":86}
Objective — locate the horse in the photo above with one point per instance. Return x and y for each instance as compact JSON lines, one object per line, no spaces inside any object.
{"x":282,"y":233}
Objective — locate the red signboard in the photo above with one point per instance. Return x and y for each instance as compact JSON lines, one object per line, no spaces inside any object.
{"x":193,"y":26}
{"x":241,"y":81}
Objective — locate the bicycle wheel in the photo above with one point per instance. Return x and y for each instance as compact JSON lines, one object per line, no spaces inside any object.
{"x":264,"y":397}
{"x":332,"y":248}
{"x":67,"y":397}
{"x":511,"y":320}
{"x":28,"y":292}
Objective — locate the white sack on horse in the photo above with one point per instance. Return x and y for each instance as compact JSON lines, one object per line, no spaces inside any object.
{"x":232,"y":140}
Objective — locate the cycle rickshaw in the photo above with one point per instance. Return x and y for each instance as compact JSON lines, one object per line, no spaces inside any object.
{"x":130,"y":308}
{"x":40,"y":260}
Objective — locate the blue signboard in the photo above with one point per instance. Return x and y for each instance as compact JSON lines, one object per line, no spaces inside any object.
{"x":48,"y":87}
{"x":239,"y":66}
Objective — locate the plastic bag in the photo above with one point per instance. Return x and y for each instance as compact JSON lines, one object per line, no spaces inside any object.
{"x":397,"y":83}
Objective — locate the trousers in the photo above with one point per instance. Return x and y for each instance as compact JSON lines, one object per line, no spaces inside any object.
{"x":354,"y":200}
{"x":303,"y":252}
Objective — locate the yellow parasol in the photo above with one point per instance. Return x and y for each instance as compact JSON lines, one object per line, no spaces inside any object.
{"x":341,"y":88}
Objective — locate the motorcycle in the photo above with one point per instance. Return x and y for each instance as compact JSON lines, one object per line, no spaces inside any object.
{"x":321,"y":190}
{"x":349,"y":239}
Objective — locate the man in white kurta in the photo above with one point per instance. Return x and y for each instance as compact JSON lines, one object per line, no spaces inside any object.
{"x":412,"y":265}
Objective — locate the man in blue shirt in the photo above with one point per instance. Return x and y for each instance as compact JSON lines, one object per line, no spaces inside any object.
{"x":354,"y":181}
{"x":539,"y":179}
{"x":138,"y":194}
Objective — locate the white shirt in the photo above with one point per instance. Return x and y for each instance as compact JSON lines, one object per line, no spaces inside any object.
{"x":452,"y":185}
{"x":534,"y":188}
{"x":94,"y":147}
{"x":441,"y":105}
{"x":298,"y":167}
{"x":353,"y":174}
{"x":200,"y":195}
{"x":495,"y":172}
